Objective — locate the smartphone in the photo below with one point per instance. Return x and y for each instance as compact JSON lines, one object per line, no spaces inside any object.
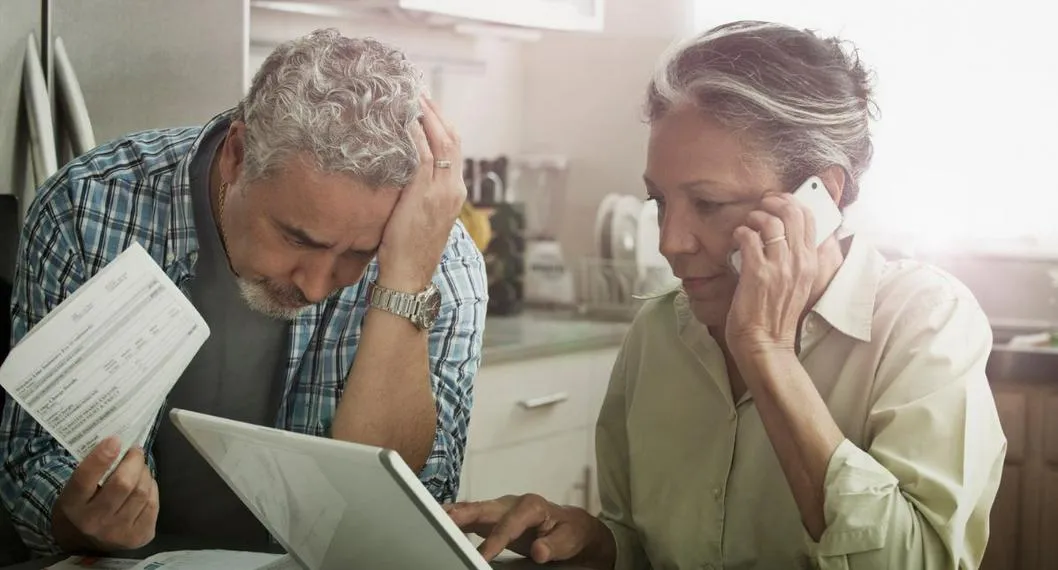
{"x":813,"y":194}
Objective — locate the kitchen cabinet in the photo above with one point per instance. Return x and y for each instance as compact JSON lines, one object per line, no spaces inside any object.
{"x":533,"y":428}
{"x":1024,"y":519}
{"x":564,"y":15}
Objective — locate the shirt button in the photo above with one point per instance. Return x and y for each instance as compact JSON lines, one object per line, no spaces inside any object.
{"x":716,"y":493}
{"x":732,"y":415}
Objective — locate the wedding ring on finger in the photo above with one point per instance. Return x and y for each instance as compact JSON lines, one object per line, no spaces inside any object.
{"x":774,"y":240}
{"x":443,"y":164}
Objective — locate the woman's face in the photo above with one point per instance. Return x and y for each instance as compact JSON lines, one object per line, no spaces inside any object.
{"x":706,"y":180}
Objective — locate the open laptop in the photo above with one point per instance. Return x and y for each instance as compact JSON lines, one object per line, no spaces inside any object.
{"x":332,"y":504}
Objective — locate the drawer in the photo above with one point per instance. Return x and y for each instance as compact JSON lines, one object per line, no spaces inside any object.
{"x":554,"y":467}
{"x":521,"y":401}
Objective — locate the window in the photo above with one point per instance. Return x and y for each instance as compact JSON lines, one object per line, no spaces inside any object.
{"x":968,"y":130}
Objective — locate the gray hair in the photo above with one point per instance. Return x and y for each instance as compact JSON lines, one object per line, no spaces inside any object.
{"x":802,"y":100}
{"x":348,"y":104}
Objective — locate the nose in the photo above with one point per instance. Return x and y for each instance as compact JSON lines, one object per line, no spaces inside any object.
{"x":676,"y":234}
{"x":315,"y":277}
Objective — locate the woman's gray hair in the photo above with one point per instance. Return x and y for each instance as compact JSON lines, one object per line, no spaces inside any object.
{"x":347,"y":104}
{"x":801,"y":100}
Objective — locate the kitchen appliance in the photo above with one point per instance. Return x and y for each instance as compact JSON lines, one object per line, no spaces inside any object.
{"x":541,"y":182}
{"x":65,"y":84}
{"x":490,"y":195}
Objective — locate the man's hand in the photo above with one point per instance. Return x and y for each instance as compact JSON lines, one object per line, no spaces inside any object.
{"x":120,"y":515}
{"x":418,"y":230}
{"x":537,"y":529}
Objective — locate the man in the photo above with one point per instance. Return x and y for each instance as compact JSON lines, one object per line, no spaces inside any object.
{"x":313,"y":226}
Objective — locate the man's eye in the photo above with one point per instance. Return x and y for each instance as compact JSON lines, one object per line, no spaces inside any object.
{"x":294,"y":240}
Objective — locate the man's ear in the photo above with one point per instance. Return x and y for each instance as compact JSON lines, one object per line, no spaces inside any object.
{"x":234,"y":152}
{"x":833,"y":178}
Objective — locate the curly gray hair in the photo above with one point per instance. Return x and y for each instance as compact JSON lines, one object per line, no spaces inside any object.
{"x":803,"y":101}
{"x":347,"y":103}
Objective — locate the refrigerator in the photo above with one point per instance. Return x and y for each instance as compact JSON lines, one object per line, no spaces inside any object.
{"x":76,"y":73}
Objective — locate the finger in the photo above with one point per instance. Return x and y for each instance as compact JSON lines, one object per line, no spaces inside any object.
{"x":749,"y":243}
{"x":149,"y":514}
{"x":121,"y":483}
{"x":449,"y":128}
{"x":794,"y":216}
{"x":477,"y":513}
{"x":84,"y":483}
{"x":529,"y":513}
{"x":441,"y":145}
{"x":137,"y":499}
{"x":771,"y":233}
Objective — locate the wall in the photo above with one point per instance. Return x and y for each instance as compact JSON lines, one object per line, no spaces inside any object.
{"x":583,"y":98}
{"x":477,"y":80}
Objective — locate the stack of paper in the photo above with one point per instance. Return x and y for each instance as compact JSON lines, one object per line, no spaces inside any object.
{"x":103,"y":361}
{"x":186,"y":560}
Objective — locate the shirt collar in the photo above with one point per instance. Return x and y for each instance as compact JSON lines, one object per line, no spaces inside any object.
{"x":182,"y":220}
{"x":847,"y":304}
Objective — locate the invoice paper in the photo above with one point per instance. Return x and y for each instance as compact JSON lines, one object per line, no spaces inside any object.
{"x":102,"y":362}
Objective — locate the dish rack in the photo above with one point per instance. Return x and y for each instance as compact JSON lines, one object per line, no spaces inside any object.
{"x":607,"y":289}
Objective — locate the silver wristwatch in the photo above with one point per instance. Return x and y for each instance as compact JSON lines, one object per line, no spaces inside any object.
{"x":419,"y":308}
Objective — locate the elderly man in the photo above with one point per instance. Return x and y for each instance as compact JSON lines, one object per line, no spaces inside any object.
{"x":313,"y":226}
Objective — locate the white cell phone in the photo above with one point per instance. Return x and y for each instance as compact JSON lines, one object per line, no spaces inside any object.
{"x":813,"y":194}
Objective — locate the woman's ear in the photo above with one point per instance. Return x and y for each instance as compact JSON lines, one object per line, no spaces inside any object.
{"x":834,"y":179}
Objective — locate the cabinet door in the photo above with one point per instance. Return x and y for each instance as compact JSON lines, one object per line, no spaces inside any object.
{"x":523,"y":401}
{"x":1007,"y":517}
{"x":553,"y":467}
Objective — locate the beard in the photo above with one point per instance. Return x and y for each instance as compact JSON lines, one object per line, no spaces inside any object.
{"x":284,"y":303}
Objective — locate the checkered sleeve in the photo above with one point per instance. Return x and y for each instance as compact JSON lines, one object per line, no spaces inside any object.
{"x":455,"y":355}
{"x":35,"y":466}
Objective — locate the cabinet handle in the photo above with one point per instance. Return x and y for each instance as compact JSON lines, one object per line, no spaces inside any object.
{"x":585,"y":488}
{"x":544,"y":401}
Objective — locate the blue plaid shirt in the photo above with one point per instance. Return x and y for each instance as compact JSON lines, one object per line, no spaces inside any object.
{"x":137,"y":189}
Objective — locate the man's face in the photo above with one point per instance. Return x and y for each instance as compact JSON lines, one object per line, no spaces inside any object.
{"x":298,"y":235}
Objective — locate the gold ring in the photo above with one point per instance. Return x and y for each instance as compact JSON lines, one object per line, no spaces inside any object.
{"x":774,"y":240}
{"x":443,"y":164}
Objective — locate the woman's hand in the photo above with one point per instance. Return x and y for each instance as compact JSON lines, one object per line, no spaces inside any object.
{"x":538,"y":529}
{"x":779,"y":266}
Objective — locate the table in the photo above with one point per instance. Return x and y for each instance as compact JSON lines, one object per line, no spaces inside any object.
{"x":165,"y":544}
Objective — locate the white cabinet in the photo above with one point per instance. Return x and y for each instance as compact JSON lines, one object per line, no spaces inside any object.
{"x":532,"y":429}
{"x":565,"y":15}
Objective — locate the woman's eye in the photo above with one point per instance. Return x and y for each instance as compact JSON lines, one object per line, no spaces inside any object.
{"x":707,"y":207}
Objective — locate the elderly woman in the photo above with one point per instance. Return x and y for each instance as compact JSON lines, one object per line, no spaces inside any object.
{"x":823,"y":407}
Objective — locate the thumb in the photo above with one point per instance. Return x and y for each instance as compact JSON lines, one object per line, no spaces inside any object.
{"x":85,"y":479}
{"x":560,"y":544}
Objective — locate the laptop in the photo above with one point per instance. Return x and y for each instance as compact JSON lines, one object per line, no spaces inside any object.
{"x":333,"y":504}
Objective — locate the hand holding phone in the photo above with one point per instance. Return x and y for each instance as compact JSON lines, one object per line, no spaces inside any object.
{"x":813,"y":194}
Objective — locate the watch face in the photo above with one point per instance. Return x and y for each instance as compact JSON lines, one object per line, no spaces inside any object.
{"x":430,"y":306}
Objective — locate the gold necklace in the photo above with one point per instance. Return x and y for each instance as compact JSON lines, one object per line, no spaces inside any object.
{"x":222,"y":199}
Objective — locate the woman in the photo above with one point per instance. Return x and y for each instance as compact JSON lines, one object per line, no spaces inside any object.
{"x":823,"y":407}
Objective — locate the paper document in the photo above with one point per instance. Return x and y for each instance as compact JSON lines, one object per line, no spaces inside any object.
{"x":78,"y":562}
{"x":103,"y":361}
{"x":218,"y":560}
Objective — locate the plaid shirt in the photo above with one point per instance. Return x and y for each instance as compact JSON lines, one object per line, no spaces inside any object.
{"x":137,"y":189}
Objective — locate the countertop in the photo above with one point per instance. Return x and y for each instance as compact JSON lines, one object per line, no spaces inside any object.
{"x":537,"y":334}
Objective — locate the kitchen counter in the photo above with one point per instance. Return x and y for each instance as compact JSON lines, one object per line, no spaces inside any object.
{"x":537,"y":334}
